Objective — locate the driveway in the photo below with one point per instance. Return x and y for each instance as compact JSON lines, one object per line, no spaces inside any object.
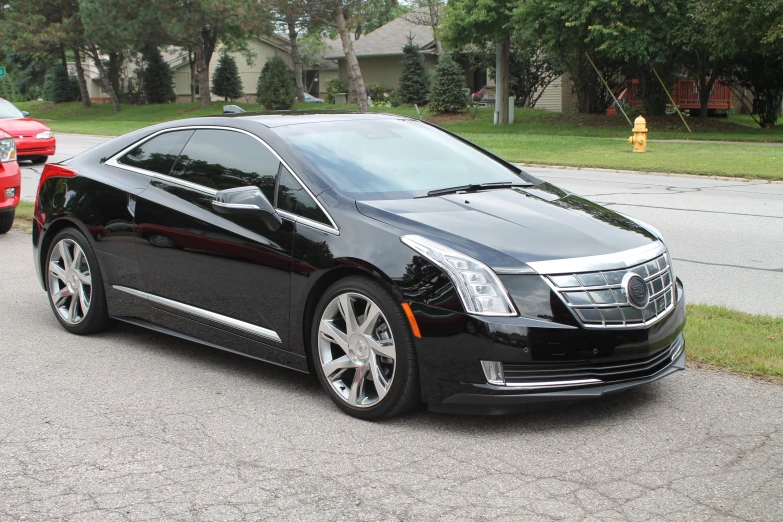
{"x":134,"y":425}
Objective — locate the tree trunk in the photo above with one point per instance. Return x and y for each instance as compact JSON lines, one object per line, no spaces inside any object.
{"x":356,"y":87}
{"x":192,"y":62}
{"x":82,"y":80}
{"x":296,"y":59}
{"x":705,"y":90}
{"x":204,"y":49}
{"x":502,"y":79}
{"x":115,"y":101}
{"x":434,"y":23}
{"x":63,"y":58}
{"x":115,"y":64}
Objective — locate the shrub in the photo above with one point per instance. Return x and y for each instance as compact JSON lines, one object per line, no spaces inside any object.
{"x":158,"y":84}
{"x":395,"y":99}
{"x":226,"y":81}
{"x":377,"y":92}
{"x":276,"y":88}
{"x":448,"y":81}
{"x":57,"y":86}
{"x":413,"y":81}
{"x":334,"y":86}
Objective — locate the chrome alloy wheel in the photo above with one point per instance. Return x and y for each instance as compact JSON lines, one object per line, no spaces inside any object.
{"x":70,"y":282}
{"x":356,"y":350}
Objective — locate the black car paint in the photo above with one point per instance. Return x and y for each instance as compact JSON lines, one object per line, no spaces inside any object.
{"x":238,"y":273}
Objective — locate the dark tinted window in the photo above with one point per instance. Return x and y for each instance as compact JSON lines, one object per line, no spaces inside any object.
{"x":294,"y":199}
{"x":225,"y":159}
{"x":159,"y":153}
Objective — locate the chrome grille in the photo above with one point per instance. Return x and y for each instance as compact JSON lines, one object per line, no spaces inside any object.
{"x":598,"y":299}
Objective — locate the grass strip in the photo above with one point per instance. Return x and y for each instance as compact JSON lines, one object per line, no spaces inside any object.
{"x":741,"y":343}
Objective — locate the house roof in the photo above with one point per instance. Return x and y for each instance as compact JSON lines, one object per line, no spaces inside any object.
{"x":389,"y":39}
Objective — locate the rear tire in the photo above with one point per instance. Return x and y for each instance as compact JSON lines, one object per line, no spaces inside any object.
{"x":74,"y":284}
{"x":366,"y":363}
{"x":6,"y":221}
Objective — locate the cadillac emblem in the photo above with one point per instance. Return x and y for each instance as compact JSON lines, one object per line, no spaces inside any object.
{"x":636,"y":290}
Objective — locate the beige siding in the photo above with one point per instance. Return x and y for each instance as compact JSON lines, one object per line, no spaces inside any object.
{"x":384,"y":69}
{"x":182,"y":80}
{"x":552,"y":97}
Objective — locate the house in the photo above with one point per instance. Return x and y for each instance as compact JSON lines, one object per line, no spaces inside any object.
{"x":262,"y":48}
{"x":380,"y":52}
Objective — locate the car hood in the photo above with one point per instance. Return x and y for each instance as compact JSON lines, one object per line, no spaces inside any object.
{"x":507,"y":228}
{"x":22,"y":126}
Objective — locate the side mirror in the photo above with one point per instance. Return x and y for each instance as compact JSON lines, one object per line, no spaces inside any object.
{"x":25,"y":114}
{"x":247,"y":200}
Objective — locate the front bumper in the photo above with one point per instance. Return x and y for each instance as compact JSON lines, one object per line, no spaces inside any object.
{"x":499,"y":404}
{"x":548,"y":362}
{"x":32,"y":146}
{"x":10,"y":178}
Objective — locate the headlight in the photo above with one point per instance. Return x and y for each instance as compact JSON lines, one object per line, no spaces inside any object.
{"x":480,"y":290}
{"x":45,"y":135}
{"x":7,"y":150}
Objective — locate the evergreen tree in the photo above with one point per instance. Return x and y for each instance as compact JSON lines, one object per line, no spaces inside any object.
{"x":264,"y":70}
{"x":225,"y":80}
{"x":57,"y":86}
{"x":413,"y":81}
{"x":158,"y":81}
{"x":448,"y":82}
{"x":276,"y":88}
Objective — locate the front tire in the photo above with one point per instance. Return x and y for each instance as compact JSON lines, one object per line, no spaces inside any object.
{"x":363,"y":352}
{"x":6,"y":221}
{"x":74,"y":284}
{"x":38,"y":160}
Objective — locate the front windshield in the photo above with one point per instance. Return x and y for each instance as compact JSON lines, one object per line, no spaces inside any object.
{"x":7,"y":110}
{"x":392,"y":159}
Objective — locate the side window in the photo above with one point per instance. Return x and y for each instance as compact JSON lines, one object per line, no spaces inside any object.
{"x":222,"y":159}
{"x":158,"y":154}
{"x":292,"y":198}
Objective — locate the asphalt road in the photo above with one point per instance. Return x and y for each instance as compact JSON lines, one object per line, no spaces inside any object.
{"x":134,"y":425}
{"x":726,"y":236}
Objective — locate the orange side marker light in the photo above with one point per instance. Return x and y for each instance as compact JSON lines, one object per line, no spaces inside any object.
{"x":411,"y":319}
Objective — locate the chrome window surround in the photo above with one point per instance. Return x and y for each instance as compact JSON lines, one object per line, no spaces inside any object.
{"x":113,"y":162}
{"x":204,"y":314}
{"x":592,"y":287}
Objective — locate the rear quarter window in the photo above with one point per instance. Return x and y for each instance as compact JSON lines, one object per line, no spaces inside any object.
{"x":159,"y":153}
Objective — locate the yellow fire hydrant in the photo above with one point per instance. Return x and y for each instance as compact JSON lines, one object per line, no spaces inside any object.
{"x":639,"y":138}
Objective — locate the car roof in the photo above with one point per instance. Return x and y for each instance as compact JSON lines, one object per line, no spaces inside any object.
{"x":273,"y":119}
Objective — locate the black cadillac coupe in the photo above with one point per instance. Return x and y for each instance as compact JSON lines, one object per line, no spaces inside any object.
{"x":396,"y":261}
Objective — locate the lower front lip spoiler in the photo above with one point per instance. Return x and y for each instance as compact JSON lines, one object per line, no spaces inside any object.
{"x":500,"y":404}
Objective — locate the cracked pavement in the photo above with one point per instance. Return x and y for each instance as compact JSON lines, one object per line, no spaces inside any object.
{"x":135,"y":425}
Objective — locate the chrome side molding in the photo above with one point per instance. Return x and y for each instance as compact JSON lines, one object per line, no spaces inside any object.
{"x":204,"y":314}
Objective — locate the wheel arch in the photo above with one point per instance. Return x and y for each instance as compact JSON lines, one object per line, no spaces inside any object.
{"x":352,"y":268}
{"x":54,"y":228}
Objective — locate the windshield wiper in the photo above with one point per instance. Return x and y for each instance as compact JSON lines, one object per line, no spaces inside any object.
{"x":476,"y":186}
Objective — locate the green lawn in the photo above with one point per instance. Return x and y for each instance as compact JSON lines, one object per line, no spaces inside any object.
{"x":23,"y":220}
{"x":729,"y":340}
{"x":536,"y":137}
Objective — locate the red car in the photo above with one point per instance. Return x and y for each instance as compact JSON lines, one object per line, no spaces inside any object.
{"x":10,"y":182}
{"x":34,"y":140}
